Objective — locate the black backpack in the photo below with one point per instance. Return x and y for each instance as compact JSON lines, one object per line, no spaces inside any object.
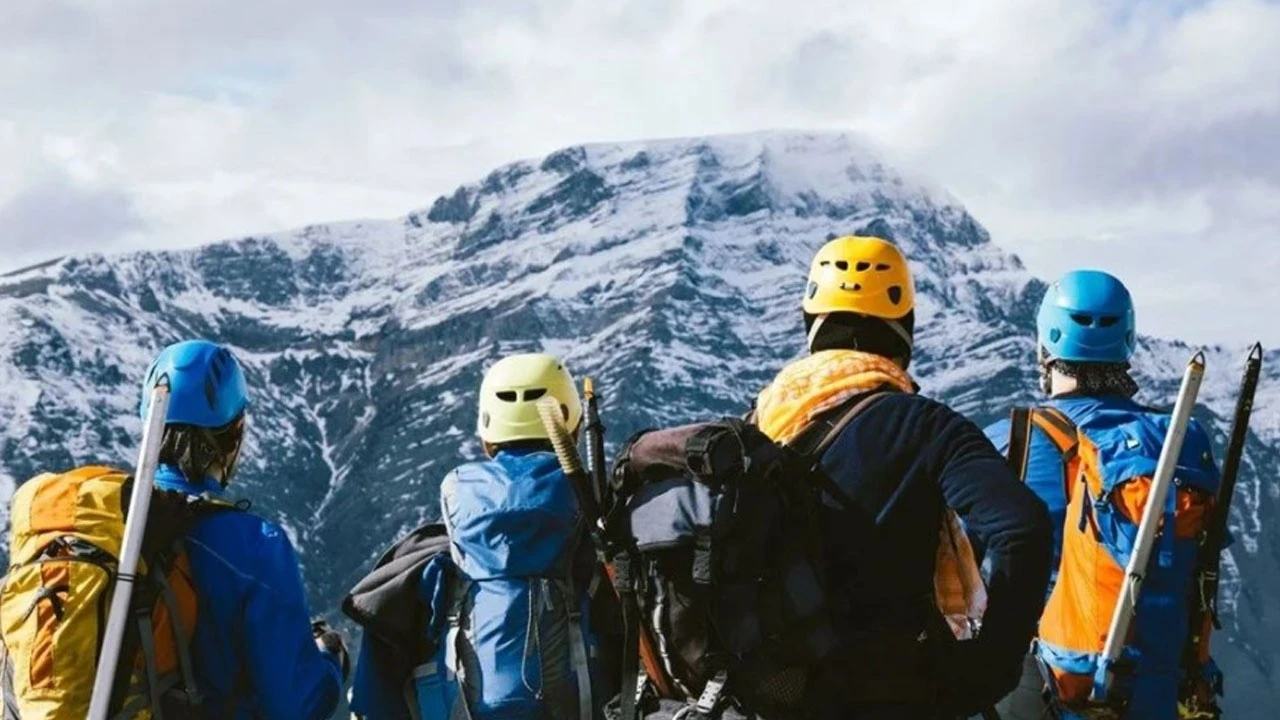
{"x":714,"y":536}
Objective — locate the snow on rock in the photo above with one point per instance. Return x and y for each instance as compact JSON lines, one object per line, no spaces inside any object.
{"x":670,"y":270}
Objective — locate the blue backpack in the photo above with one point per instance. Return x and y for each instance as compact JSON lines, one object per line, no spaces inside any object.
{"x":1109,"y":456}
{"x":510,"y":634}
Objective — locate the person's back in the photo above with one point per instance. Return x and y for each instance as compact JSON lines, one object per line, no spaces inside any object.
{"x":508,"y":619}
{"x":905,"y":462}
{"x":253,"y":647}
{"x":1086,"y":337}
{"x":253,"y":651}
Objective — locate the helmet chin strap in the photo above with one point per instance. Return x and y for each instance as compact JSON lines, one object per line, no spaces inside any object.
{"x":814,"y":328}
{"x":902,"y":333}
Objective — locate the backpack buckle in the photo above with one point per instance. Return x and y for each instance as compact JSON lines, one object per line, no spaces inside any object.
{"x":711,"y":693}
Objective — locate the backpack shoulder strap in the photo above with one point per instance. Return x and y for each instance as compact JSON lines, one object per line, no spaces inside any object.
{"x":816,"y":439}
{"x":1064,"y":435}
{"x":181,"y":639}
{"x":1019,"y":441}
{"x":1060,"y":429}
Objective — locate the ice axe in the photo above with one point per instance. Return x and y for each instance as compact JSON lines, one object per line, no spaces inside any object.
{"x":1135,"y":573}
{"x":130,"y":550}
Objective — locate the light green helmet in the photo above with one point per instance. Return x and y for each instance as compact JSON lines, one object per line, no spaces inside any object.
{"x":509,"y":395}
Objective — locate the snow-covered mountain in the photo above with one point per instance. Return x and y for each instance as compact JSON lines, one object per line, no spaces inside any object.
{"x":671,"y":271}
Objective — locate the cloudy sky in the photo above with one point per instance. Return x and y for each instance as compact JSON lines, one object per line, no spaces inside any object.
{"x":1141,"y":136}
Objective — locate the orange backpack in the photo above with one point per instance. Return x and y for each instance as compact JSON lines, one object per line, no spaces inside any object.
{"x":1109,"y":458}
{"x":64,"y":545}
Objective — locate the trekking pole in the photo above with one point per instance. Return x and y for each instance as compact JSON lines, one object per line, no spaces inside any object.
{"x":595,"y":443}
{"x":1216,"y":533}
{"x":130,"y":549}
{"x":1205,"y":617}
{"x":644,"y":647}
{"x":1126,"y":603}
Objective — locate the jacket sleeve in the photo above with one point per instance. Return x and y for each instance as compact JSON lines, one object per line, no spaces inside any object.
{"x":1012,"y":524}
{"x":291,"y":678}
{"x":376,"y":689}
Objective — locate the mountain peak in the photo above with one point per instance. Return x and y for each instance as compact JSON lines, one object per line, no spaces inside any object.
{"x":669,"y":270}
{"x":692,"y":182}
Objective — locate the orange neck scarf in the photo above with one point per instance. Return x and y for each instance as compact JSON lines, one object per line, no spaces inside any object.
{"x":813,"y":385}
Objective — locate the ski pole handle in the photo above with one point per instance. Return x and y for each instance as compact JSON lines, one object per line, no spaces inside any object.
{"x":1126,"y":603}
{"x":130,"y":551}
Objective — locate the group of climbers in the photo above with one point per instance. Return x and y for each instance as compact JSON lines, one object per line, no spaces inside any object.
{"x":849,"y":549}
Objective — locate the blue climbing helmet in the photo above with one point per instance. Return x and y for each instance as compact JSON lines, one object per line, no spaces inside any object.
{"x":204,"y":425}
{"x":1087,"y":316}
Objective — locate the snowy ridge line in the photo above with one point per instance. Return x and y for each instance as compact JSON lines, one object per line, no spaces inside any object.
{"x":670,"y":271}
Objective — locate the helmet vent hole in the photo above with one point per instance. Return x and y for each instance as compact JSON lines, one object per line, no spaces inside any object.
{"x":1108,"y":320}
{"x":813,"y":290}
{"x":507,"y":395}
{"x":842,"y":264}
{"x":881,"y":267}
{"x":534,"y":393}
{"x":863,"y":266}
{"x":895,"y":294}
{"x":1055,"y":335}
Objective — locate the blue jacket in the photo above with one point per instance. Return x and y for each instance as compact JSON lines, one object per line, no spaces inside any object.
{"x":903,"y":461}
{"x":253,"y":617}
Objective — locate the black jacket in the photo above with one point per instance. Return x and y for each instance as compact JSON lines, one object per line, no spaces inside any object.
{"x":903,"y":461}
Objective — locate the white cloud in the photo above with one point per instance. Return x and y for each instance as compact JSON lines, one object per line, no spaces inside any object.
{"x":1137,"y":135}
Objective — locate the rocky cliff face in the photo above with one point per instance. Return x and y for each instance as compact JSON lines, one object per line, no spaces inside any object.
{"x":670,"y":271}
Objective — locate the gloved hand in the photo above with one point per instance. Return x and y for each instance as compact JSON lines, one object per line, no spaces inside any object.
{"x":330,"y":641}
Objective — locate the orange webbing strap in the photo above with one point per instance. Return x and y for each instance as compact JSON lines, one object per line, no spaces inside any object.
{"x":1019,"y":441}
{"x":1062,"y":433}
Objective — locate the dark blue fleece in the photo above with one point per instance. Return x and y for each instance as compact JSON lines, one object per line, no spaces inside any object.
{"x":903,"y":461}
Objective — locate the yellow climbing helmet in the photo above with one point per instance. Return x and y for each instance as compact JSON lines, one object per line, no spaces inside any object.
{"x":509,"y":394}
{"x":863,"y":275}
